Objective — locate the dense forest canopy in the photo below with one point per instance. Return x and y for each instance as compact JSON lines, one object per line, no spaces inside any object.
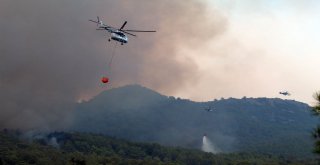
{"x":83,"y":148}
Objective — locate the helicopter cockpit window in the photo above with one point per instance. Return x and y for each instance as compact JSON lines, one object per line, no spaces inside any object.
{"x":120,"y":34}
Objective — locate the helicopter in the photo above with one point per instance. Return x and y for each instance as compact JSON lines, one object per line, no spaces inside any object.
{"x":208,"y":109}
{"x":285,"y":93}
{"x":118,"y":35}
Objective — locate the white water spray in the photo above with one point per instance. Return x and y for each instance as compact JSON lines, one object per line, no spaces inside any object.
{"x":207,"y":146}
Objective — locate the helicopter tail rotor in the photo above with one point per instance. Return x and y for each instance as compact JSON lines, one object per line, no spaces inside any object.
{"x":98,"y":22}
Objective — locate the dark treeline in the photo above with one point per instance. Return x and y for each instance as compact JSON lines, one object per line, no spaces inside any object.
{"x":85,"y":148}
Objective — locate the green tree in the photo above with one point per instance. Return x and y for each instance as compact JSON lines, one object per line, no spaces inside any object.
{"x":316,"y":131}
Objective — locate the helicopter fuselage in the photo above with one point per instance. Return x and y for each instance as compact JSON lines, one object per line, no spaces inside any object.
{"x":284,"y":93}
{"x":119,"y":36}
{"x":116,"y":35}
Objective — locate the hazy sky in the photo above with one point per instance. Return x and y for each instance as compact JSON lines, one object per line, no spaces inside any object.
{"x":268,"y":46}
{"x":51,"y":55}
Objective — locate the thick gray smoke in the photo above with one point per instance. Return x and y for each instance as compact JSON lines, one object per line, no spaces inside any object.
{"x":50,"y":54}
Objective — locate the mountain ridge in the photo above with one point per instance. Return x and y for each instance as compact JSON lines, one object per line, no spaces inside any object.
{"x":141,"y":114}
{"x":139,"y":88}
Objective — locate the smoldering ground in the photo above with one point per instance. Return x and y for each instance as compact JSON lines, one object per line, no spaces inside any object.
{"x":50,"y":54}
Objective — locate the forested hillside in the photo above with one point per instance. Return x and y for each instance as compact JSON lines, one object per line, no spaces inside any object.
{"x":82,"y":148}
{"x":261,"y":125}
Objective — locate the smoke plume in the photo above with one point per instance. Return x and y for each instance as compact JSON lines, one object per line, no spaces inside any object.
{"x":51,"y":55}
{"x":207,"y":146}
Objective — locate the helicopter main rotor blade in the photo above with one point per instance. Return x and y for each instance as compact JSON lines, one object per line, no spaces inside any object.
{"x":140,"y":30}
{"x":124,"y":24}
{"x":129,"y":33}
